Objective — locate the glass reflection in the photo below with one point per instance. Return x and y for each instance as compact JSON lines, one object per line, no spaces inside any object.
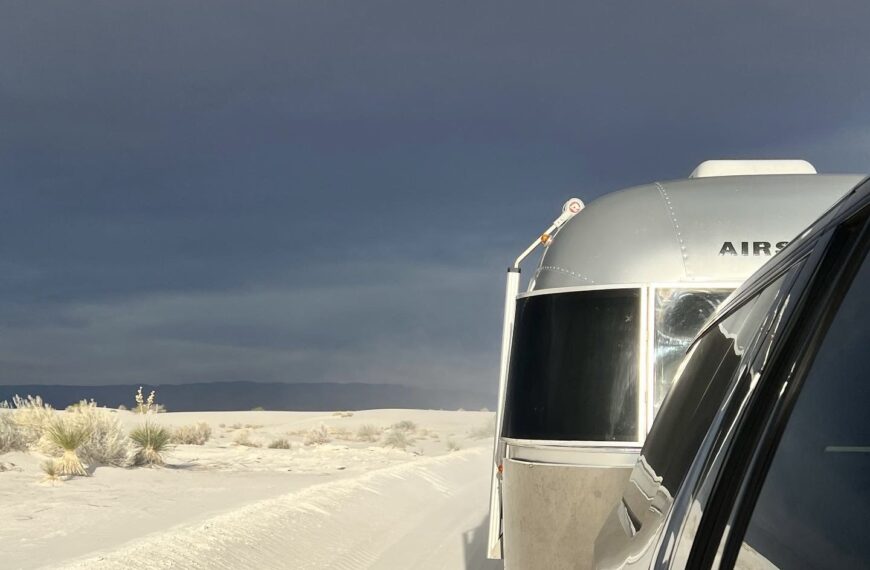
{"x":679,"y":315}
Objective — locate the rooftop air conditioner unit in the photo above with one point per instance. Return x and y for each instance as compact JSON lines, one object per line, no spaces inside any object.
{"x":710,"y":168}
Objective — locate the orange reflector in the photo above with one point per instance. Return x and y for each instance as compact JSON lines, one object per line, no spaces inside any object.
{"x":500,"y":468}
{"x":545,"y":238}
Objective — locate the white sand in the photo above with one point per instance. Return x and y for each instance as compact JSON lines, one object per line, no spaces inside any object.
{"x":344,"y":504}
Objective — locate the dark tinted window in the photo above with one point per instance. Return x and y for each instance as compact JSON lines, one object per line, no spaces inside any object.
{"x":574,"y":366}
{"x":700,"y":387}
{"x":814,"y":508}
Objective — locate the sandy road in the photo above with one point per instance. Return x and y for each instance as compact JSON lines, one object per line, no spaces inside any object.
{"x":428,"y":514}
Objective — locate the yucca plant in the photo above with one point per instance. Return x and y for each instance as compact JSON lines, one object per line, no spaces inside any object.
{"x":68,"y":436}
{"x":108,"y":443}
{"x":151,"y":442}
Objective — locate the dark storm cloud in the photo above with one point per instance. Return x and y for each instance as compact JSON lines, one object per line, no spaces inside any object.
{"x":326,"y":190}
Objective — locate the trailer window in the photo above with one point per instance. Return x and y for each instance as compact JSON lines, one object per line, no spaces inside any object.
{"x":574,"y":367}
{"x":679,"y":315}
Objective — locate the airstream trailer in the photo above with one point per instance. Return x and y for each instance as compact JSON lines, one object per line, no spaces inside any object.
{"x":590,"y":349}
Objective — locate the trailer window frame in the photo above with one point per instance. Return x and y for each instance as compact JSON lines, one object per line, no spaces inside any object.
{"x":646,"y":354}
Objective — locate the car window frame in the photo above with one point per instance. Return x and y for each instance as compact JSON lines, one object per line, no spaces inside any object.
{"x":826,"y":277}
{"x":707,"y":464}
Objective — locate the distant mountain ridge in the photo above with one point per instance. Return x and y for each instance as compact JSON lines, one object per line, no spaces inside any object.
{"x":226,"y":396}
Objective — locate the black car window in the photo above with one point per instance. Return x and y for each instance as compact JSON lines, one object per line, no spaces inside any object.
{"x":700,"y":387}
{"x":813,"y":510}
{"x":574,"y":367}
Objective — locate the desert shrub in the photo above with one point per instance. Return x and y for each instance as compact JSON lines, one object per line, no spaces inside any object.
{"x":368,"y":432}
{"x":244,"y":438}
{"x":453,"y":445}
{"x":397,"y":438}
{"x":69,"y":436}
{"x":31,"y":416}
{"x":341,"y":433}
{"x":404,"y":425}
{"x":343,"y":414}
{"x":81,"y":403}
{"x":280,"y":443}
{"x":107,"y":443}
{"x":51,"y":468}
{"x":258,"y":409}
{"x":317,"y":435}
{"x":253,"y":426}
{"x":151,"y":442}
{"x":122,"y":408}
{"x":236,"y":426}
{"x":194,"y":434}
{"x":484,"y":430}
{"x":11,"y":438}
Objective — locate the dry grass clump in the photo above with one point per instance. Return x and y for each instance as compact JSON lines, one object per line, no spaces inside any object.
{"x":243,"y":438}
{"x":280,"y":443}
{"x":404,"y":425}
{"x":34,"y":425}
{"x":68,"y":436}
{"x":236,"y":426}
{"x":317,"y":436}
{"x":81,"y":403}
{"x":30,"y":417}
{"x":485,"y":430}
{"x":107,"y":444}
{"x":151,"y":442}
{"x":253,"y":426}
{"x":368,"y":432}
{"x":397,"y":438}
{"x":52,"y":471}
{"x":343,"y":414}
{"x":194,"y":434}
{"x":453,"y":445}
{"x":11,"y":438}
{"x":341,"y":433}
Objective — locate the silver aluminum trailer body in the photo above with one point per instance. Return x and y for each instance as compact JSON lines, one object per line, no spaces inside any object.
{"x":590,"y":349}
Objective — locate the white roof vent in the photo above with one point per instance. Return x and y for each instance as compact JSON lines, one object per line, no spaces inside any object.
{"x":710,"y":168}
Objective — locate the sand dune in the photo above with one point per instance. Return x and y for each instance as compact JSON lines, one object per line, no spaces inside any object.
{"x":342,"y":504}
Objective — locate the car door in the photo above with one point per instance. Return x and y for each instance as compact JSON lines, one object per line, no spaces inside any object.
{"x":633,"y":529}
{"x":793,"y":491}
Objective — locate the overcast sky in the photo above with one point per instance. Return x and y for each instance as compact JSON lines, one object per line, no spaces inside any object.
{"x":331,"y":191}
